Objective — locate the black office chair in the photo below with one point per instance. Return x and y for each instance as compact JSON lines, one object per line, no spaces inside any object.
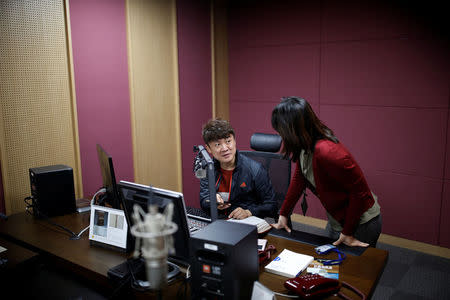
{"x":279,"y":168}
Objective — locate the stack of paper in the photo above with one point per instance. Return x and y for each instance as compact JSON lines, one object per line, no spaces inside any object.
{"x":289,"y":263}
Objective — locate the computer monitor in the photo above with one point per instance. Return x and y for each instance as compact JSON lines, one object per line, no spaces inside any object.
{"x":134,"y":193}
{"x":109,"y":179}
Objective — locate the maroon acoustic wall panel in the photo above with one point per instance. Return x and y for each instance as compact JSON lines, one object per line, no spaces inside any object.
{"x":377,"y":74}
{"x":194,"y":62}
{"x":444,"y":232}
{"x":101,"y":83}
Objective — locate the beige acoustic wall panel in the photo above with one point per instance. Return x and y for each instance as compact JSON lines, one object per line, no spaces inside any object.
{"x":219,"y":57}
{"x":153,"y":73}
{"x":36,"y":111}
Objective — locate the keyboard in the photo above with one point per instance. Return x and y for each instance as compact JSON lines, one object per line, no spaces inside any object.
{"x":196,"y":225}
{"x":197,"y":219}
{"x":197,"y":213}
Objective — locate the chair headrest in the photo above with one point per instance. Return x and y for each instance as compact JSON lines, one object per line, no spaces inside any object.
{"x":266,"y":142}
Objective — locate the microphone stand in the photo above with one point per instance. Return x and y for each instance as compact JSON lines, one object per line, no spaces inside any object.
{"x":210,"y":176}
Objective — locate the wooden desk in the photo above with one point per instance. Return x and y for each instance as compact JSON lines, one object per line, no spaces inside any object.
{"x":363,"y":272}
{"x":14,"y":254}
{"x":90,"y":262}
{"x":93,"y":262}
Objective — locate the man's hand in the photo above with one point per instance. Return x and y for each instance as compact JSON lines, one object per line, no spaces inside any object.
{"x":282,"y":223}
{"x":221,"y":204}
{"x":349,"y":240}
{"x":240,"y":213}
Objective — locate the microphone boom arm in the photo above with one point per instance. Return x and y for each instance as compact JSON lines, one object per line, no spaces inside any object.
{"x":210,"y":176}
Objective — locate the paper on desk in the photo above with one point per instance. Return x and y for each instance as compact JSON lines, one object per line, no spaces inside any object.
{"x":260,"y":224}
{"x":252,"y":220}
{"x":260,"y":292}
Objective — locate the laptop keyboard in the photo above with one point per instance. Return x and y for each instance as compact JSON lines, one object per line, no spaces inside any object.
{"x":197,"y":219}
{"x":195,"y":225}
{"x":197,"y":213}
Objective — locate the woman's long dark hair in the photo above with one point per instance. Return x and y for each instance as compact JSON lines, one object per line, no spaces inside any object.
{"x":298,"y":126}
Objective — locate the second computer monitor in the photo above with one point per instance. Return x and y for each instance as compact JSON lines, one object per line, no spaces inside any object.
{"x":108,"y":178}
{"x":134,"y":193}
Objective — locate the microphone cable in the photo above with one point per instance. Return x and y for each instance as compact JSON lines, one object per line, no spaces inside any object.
{"x":102,"y":190}
{"x":182,"y":294}
{"x":32,"y":209}
{"x":36,"y":212}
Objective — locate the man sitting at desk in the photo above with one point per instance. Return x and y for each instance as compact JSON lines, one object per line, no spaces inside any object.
{"x":243,"y":187}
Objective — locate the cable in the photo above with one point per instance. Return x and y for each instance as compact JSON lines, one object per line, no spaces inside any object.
{"x":100,"y":200}
{"x":330,"y":262}
{"x":102,"y":190}
{"x":325,"y":249}
{"x":78,"y":235}
{"x":32,"y":206}
{"x":286,"y":295}
{"x":184,"y":284}
{"x":27,"y":208}
{"x":136,"y":284}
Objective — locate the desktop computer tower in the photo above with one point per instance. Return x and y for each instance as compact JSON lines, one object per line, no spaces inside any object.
{"x":52,"y":191}
{"x":224,"y":261}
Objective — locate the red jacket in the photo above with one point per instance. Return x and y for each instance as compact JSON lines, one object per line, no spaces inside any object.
{"x":340,"y":185}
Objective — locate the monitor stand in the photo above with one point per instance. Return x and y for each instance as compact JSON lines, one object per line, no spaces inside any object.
{"x":135,"y":268}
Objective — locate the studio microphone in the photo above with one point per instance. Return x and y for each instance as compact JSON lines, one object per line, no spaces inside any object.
{"x":199,"y":163}
{"x":154,"y":232}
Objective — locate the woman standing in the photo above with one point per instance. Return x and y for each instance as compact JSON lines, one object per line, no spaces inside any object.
{"x":328,"y":169}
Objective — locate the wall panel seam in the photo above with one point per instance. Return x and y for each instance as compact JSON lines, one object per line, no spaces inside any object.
{"x":78,"y":174}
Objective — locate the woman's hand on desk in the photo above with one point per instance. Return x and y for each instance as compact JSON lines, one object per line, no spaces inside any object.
{"x":349,"y":240}
{"x":282,"y":223}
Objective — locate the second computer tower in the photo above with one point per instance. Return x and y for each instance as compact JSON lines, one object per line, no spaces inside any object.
{"x":224,"y":261}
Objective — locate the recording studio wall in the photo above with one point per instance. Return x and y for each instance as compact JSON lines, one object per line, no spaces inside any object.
{"x":37,"y":109}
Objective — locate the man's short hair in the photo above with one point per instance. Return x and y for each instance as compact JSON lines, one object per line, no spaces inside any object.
{"x":216,"y":129}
